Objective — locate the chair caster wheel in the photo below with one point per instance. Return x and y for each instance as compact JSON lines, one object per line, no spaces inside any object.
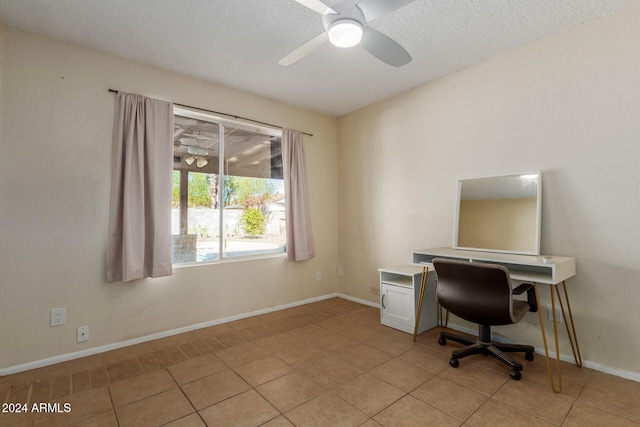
{"x":454,"y":362}
{"x":516,"y":375}
{"x":528,"y":355}
{"x":442,"y":341}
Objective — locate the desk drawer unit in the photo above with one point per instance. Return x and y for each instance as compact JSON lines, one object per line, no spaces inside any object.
{"x":399,"y":298}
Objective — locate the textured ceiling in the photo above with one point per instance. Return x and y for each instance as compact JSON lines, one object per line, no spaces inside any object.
{"x":238,"y":43}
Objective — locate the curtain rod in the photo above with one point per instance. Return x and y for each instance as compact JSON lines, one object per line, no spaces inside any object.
{"x":226,"y":114}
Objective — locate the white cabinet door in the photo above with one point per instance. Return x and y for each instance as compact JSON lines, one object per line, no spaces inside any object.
{"x":398,"y":307}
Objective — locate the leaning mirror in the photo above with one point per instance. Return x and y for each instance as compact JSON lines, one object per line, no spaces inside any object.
{"x":499,"y":213}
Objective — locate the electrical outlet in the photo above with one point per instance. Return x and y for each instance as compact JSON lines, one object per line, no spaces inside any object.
{"x":58,"y":316}
{"x":558,"y":313}
{"x":83,"y":333}
{"x":340,"y":271}
{"x":318,"y":276}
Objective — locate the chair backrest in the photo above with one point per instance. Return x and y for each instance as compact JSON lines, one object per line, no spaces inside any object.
{"x":478,"y":292}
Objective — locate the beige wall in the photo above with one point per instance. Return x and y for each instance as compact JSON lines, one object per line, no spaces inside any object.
{"x":56,"y":118}
{"x":567,"y":105}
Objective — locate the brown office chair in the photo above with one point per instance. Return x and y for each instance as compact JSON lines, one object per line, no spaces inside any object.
{"x":482,"y":293}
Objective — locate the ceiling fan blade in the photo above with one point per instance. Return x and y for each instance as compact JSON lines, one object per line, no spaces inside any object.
{"x":316,"y":5}
{"x":384,"y":48}
{"x":372,"y":9}
{"x":304,"y":50}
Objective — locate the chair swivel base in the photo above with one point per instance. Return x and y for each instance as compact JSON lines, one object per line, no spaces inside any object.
{"x":489,"y":348}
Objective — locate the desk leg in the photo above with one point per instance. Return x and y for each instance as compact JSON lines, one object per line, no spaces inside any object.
{"x":544,"y":340}
{"x":573,"y":338}
{"x":423,"y":285}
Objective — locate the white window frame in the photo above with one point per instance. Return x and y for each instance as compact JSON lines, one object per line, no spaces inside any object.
{"x":222,"y":122}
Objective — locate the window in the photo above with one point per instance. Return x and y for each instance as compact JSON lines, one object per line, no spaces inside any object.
{"x":227,"y":205}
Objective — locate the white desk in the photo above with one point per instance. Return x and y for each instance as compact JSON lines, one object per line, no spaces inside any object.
{"x":528,"y":268}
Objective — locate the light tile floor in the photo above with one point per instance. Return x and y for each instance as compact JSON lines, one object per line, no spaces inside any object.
{"x":329,"y":363}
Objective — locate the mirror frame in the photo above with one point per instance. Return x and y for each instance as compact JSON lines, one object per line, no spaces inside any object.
{"x":456,"y":223}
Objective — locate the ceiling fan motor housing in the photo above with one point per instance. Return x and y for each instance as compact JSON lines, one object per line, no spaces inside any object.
{"x":344,"y":10}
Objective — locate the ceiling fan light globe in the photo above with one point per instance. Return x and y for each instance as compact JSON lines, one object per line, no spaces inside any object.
{"x":202,"y":162}
{"x":189,"y":160}
{"x":345,"y":33}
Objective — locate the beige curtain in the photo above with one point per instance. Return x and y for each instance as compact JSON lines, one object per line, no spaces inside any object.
{"x":299,"y":236}
{"x":139,"y":240}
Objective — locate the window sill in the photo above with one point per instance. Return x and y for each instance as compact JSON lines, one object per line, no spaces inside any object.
{"x":230,"y":260}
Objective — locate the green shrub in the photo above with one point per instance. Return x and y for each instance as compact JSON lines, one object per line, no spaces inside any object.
{"x":253,"y":222}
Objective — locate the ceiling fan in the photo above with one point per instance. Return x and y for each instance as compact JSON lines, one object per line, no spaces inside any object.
{"x":346,"y":26}
{"x":196,"y":152}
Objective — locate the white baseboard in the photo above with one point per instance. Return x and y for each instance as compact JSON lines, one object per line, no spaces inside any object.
{"x":108,"y":347}
{"x":358,"y":300}
{"x":635,"y":376}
